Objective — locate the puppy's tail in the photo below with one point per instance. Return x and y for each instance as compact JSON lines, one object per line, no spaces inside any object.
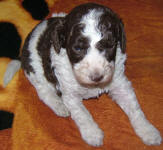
{"x":11,"y":70}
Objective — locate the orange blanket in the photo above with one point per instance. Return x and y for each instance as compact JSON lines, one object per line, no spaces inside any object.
{"x":36,"y":127}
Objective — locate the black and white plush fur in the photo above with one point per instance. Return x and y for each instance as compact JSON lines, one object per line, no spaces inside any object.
{"x":68,"y":58}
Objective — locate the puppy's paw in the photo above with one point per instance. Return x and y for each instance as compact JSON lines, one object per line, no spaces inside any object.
{"x":149,"y":134}
{"x":93,"y":136}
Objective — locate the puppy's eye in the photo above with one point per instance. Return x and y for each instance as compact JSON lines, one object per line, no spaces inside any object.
{"x":77,"y":48}
{"x":105,"y":44}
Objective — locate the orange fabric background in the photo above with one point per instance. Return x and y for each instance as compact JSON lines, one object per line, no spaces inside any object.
{"x":36,"y":127}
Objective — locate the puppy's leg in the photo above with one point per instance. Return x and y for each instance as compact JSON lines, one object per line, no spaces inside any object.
{"x":47,"y":94}
{"x":123,"y":93}
{"x":89,"y":130}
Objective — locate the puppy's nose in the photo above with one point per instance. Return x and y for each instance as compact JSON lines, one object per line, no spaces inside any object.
{"x":96,"y":77}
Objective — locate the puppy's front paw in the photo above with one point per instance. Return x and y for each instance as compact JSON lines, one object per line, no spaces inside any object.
{"x":93,"y":136}
{"x":149,"y":134}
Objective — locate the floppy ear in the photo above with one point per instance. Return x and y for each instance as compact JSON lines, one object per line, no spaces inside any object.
{"x":57,"y":33}
{"x":122,"y":37}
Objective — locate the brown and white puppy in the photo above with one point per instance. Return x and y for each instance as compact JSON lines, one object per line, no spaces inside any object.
{"x":77,"y":56}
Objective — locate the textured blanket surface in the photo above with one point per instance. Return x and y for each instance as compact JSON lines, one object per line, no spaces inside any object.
{"x":36,"y":127}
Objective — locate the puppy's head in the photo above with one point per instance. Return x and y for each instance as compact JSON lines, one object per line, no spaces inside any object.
{"x":92,"y":34}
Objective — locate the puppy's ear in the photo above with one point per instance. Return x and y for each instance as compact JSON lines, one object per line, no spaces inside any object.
{"x":57,"y":33}
{"x":122,"y":37}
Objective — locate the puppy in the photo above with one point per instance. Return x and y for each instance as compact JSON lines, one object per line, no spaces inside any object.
{"x":68,"y":58}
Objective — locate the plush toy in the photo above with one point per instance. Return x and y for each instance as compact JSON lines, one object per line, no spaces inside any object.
{"x":36,"y":127}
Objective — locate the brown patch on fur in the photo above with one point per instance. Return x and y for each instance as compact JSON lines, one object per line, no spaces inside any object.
{"x":43,"y":47}
{"x":25,"y":60}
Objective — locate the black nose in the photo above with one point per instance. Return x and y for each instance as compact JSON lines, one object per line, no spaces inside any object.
{"x":96,"y":77}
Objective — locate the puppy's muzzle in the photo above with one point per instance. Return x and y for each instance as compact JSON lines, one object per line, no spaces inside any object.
{"x":96,"y":77}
